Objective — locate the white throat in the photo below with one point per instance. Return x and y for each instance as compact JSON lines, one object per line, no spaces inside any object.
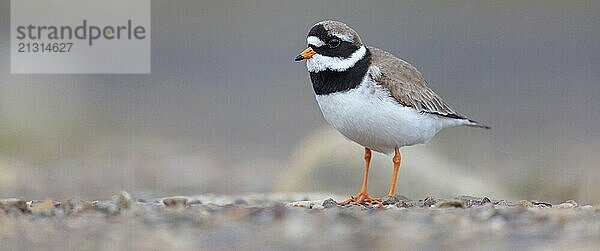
{"x":321,"y":63}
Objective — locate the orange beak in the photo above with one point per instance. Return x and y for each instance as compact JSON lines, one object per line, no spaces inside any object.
{"x":306,"y":54}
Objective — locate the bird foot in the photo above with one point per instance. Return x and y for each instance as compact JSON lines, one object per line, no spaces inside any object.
{"x":362,"y":199}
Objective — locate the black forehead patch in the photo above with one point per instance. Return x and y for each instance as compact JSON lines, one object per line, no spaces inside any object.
{"x":318,"y":31}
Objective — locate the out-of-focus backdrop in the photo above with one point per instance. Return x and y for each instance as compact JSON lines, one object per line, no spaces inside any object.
{"x":226,"y":110}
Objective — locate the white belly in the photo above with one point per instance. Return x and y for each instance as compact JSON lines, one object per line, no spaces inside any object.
{"x":369,"y":116}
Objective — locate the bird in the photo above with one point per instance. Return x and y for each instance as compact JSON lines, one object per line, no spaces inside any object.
{"x":373,"y":98}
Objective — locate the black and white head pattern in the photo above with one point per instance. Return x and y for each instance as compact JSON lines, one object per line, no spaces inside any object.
{"x":337,"y":46}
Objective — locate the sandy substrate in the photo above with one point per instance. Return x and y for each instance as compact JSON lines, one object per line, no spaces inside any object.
{"x":295,"y":222}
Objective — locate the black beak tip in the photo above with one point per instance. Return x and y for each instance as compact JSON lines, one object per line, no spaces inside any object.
{"x":299,"y":58}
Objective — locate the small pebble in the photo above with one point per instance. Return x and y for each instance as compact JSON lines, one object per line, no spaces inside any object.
{"x":389,"y":200}
{"x":15,"y":203}
{"x":502,"y":203}
{"x":303,"y":203}
{"x":329,"y":203}
{"x":317,"y":206}
{"x":451,"y":204}
{"x":406,"y":204}
{"x":194,"y":201}
{"x":525,"y":203}
{"x":541,"y":203}
{"x":240,"y":202}
{"x":175,"y":201}
{"x":123,"y":201}
{"x":567,"y":204}
{"x":43,"y":208}
{"x":107,"y":207}
{"x":486,"y":200}
{"x":429,"y":202}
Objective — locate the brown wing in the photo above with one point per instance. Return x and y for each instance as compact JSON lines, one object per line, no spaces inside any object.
{"x":406,"y":84}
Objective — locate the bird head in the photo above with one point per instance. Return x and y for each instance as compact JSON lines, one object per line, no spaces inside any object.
{"x":332,"y":45}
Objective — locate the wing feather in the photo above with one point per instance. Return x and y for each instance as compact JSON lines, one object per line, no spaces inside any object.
{"x":407,"y":85}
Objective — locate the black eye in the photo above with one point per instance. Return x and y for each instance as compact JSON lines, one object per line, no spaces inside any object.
{"x":334,"y":42}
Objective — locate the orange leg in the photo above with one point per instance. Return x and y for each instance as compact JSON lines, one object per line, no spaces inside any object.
{"x":397,"y":158}
{"x":363,"y":196}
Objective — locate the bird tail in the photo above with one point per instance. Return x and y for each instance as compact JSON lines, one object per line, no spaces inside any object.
{"x":473,"y":123}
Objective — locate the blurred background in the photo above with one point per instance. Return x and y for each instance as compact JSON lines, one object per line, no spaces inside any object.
{"x":226,"y":110}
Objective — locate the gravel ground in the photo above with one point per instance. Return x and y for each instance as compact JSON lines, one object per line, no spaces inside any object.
{"x":295,"y":222}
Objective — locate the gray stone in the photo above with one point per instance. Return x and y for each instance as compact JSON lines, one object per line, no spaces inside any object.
{"x":240,"y":202}
{"x":14,"y":203}
{"x":317,"y":206}
{"x":541,"y":203}
{"x":329,"y":203}
{"x":429,"y":202}
{"x":450,"y":204}
{"x":567,"y":204}
{"x":107,"y":207}
{"x":389,"y":200}
{"x":175,"y":202}
{"x":123,"y":201}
